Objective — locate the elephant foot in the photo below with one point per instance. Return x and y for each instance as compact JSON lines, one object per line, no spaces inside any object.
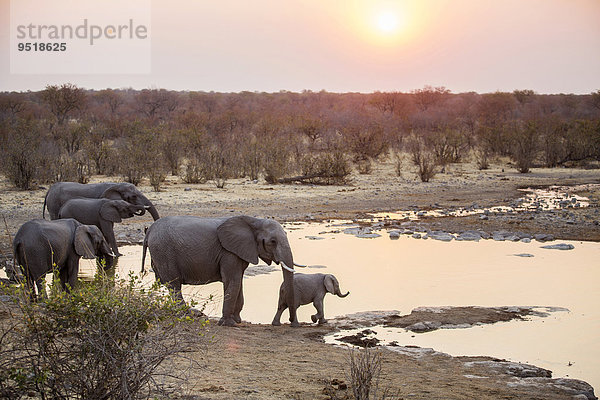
{"x":192,"y":312}
{"x":276,"y":323}
{"x":322,"y":321}
{"x":237,"y":318}
{"x":227,"y":322}
{"x":295,"y":324}
{"x":314,"y":318}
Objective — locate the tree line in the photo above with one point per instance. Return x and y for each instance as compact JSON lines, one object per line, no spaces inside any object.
{"x":68,"y":133}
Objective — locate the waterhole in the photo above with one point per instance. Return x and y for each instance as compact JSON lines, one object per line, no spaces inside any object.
{"x":403,"y":274}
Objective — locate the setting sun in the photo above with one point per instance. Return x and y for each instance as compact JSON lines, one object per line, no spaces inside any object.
{"x":387,"y":22}
{"x":384,"y":23}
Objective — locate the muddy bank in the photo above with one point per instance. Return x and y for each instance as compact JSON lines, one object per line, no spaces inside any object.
{"x":427,"y":319}
{"x":293,"y":364}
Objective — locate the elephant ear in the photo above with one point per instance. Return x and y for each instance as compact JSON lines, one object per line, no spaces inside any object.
{"x":109,"y":212}
{"x":83,"y":243}
{"x":237,"y":236}
{"x":113,"y":192}
{"x":329,"y":282}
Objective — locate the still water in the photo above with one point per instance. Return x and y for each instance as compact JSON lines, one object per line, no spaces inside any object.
{"x":384,"y":274}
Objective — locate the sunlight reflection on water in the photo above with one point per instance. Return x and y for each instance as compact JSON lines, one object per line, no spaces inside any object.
{"x":384,"y":274}
{"x":552,"y":198}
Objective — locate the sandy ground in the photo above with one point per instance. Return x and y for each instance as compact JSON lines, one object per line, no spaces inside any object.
{"x":264,"y":362}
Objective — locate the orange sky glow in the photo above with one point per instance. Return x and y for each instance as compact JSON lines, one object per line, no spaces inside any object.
{"x":550,"y":46}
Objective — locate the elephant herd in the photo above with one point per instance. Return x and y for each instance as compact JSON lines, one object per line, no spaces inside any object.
{"x":184,"y":249}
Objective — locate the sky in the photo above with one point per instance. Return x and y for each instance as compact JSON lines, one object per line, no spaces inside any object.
{"x":549,"y":46}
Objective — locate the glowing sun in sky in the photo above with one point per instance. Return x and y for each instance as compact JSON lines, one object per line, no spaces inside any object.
{"x":387,"y":22}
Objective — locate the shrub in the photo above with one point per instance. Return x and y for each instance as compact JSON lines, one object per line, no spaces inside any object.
{"x":277,"y":158}
{"x":364,"y":374}
{"x":525,"y":146}
{"x":193,"y":172}
{"x":21,"y":154}
{"x":422,"y":158}
{"x":365,"y":141}
{"x":106,"y":340}
{"x":219,"y":164}
{"x":326,"y":168}
{"x":482,"y":158}
{"x":365,"y":167}
{"x":398,"y":163}
{"x":365,"y":368}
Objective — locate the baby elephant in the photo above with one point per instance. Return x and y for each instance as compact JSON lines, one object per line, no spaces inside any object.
{"x":309,"y":288}
{"x":101,"y":212}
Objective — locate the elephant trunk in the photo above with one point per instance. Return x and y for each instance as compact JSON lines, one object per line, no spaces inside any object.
{"x":151,"y":209}
{"x":287,"y":263}
{"x":338,"y":292}
{"x":140,"y":210}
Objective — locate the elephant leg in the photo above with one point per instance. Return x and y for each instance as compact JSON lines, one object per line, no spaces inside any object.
{"x":71,"y":269}
{"x":108,"y":231}
{"x":280,"y":309}
{"x":41,"y":287}
{"x":320,"y":315}
{"x":106,"y":263}
{"x":63,"y":275}
{"x":31,"y":284}
{"x":231,"y":290}
{"x":239,"y":304}
{"x":175,"y":288}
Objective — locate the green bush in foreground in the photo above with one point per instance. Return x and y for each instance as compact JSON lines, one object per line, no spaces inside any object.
{"x":106,"y":340}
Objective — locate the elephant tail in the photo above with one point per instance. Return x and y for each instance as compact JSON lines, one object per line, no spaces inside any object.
{"x":44,"y":206}
{"x":144,"y":248}
{"x":19,"y":261}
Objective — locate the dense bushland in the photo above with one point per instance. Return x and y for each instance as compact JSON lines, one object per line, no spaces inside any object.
{"x":106,"y":340}
{"x":68,"y":133}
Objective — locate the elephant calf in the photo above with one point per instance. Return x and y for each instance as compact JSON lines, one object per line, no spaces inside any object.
{"x":309,"y":288}
{"x":61,"y":192}
{"x":101,"y":212}
{"x":41,"y":246}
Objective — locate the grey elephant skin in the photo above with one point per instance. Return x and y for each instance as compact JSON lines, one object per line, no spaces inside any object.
{"x":102,"y":213}
{"x":40,"y":246}
{"x":195,"y":251}
{"x":61,"y":192}
{"x":309,"y":288}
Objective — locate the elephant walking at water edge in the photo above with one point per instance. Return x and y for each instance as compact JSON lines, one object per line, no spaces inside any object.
{"x":41,"y":246}
{"x":102,"y":213}
{"x":195,"y":251}
{"x":61,"y":192}
{"x":308,"y":288}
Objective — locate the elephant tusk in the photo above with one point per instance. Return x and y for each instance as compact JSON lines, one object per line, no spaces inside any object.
{"x":112,"y":254}
{"x":300,"y":265}
{"x":286,"y":267}
{"x":147,"y":207}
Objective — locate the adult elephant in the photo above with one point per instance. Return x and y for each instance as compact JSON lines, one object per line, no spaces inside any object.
{"x":195,"y":251}
{"x":41,"y":246}
{"x":102,"y":213}
{"x":61,"y":192}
